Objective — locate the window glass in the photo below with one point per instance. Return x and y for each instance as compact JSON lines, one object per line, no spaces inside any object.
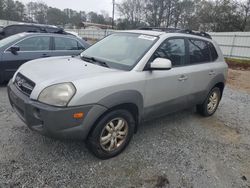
{"x":10,"y":39}
{"x":80,"y":46}
{"x":198,"y":51}
{"x":65,"y":44}
{"x":40,"y":43}
{"x":121,"y":50}
{"x":172,"y":49}
{"x":214,"y":54}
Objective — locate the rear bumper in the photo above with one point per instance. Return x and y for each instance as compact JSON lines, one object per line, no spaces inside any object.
{"x":53,"y":121}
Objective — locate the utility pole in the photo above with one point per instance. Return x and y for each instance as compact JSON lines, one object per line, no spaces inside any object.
{"x":113,"y":15}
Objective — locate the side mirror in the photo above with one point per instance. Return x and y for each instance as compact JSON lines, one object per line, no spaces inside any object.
{"x":161,"y":64}
{"x":14,"y":49}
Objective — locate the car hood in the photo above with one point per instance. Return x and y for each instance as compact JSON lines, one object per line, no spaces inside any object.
{"x":54,"y":70}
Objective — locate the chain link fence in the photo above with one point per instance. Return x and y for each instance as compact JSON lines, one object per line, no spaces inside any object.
{"x":232,"y":44}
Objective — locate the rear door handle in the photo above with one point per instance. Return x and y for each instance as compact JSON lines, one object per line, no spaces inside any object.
{"x":45,"y":55}
{"x":183,"y":78}
{"x":212,"y":72}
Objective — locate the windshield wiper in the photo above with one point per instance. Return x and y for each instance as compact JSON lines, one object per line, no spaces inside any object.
{"x":94,"y":60}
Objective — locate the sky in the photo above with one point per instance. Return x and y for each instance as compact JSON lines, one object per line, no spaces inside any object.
{"x":84,"y":5}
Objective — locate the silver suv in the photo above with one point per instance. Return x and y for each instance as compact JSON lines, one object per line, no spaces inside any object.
{"x":129,"y":77}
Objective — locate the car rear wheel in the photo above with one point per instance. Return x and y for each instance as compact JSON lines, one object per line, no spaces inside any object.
{"x":111,"y":134}
{"x":210,"y":105}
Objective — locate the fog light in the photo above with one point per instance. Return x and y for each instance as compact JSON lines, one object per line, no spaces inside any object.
{"x":78,"y":115}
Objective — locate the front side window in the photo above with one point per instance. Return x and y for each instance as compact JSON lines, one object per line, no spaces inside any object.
{"x":172,"y":49}
{"x":121,"y":50}
{"x":10,"y":39}
{"x":80,"y":46}
{"x":198,"y":51}
{"x":65,"y":44}
{"x":40,"y":43}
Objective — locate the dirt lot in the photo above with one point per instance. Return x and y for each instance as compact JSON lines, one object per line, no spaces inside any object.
{"x":180,"y":150}
{"x":239,"y":80}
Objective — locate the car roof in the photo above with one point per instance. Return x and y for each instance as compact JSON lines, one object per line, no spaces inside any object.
{"x":47,"y":34}
{"x":145,"y":32}
{"x":181,"y":33}
{"x":35,"y":25}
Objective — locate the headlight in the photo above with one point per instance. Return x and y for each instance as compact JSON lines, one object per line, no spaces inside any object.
{"x":57,"y":95}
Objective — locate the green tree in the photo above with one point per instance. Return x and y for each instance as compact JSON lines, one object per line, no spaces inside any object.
{"x":132,"y":12}
{"x":1,"y":9}
{"x":19,"y":11}
{"x":9,"y":10}
{"x":56,"y":17}
{"x":37,"y":12}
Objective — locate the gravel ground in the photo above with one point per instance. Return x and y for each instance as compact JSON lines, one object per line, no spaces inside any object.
{"x":180,"y":150}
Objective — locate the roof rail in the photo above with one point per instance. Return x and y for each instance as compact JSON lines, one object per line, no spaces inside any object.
{"x":164,"y":29}
{"x":176,"y":30}
{"x":197,"y":33}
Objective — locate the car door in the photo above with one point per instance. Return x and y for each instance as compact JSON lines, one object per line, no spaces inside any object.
{"x":30,"y":48}
{"x":64,"y":46}
{"x":202,"y":68}
{"x":166,"y":90}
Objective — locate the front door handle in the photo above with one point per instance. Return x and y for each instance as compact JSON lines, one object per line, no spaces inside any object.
{"x":183,"y":78}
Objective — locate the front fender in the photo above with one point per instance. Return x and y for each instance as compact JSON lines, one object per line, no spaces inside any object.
{"x":123,"y":97}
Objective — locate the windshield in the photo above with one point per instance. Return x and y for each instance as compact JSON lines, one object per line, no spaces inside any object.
{"x":10,"y":39}
{"x":120,"y":50}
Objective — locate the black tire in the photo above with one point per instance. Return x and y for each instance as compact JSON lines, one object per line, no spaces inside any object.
{"x":203,"y":108}
{"x":94,"y":139}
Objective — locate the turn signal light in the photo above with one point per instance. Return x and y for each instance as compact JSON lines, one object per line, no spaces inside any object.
{"x":78,"y":115}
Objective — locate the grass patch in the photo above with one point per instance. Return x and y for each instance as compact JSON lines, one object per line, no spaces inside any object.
{"x":244,"y":61}
{"x":234,"y":63}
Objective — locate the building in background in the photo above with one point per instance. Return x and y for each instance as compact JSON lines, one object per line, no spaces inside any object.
{"x":89,"y":25}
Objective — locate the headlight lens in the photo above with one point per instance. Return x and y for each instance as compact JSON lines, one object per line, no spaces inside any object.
{"x":57,"y":95}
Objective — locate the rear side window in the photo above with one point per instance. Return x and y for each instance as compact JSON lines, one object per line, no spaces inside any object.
{"x":199,"y":51}
{"x":40,"y":43}
{"x":66,"y":44}
{"x":172,"y":49}
{"x":214,"y":54}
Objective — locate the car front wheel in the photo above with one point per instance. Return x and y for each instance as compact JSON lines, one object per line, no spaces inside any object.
{"x":111,"y":134}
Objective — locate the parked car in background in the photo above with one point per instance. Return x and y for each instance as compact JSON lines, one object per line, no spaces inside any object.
{"x":128,"y":77}
{"x":20,"y":48}
{"x":35,"y":28}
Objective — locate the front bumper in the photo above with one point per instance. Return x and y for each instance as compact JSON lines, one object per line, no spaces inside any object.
{"x":53,"y":121}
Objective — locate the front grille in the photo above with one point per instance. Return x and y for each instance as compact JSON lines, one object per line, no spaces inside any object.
{"x":24,"y":84}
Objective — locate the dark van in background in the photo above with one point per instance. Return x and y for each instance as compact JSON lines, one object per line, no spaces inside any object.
{"x":20,"y":48}
{"x":35,"y":28}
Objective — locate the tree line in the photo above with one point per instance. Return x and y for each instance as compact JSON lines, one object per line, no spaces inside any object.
{"x":39,"y":12}
{"x":206,"y":15}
